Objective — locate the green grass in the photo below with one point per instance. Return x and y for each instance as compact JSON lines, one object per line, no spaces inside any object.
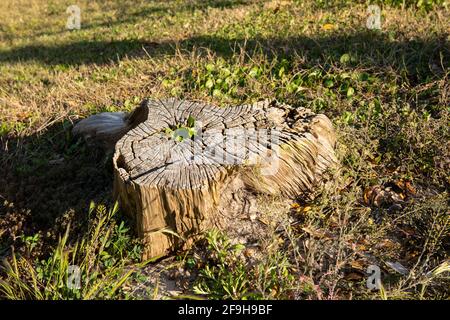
{"x":386,"y":91}
{"x":101,"y":255}
{"x":226,"y":275}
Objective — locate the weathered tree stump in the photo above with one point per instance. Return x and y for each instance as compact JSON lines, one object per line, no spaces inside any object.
{"x":180,"y":162}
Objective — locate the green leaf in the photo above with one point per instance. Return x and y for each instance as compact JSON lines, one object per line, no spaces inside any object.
{"x":225,"y":72}
{"x":179,"y":138}
{"x":350,"y":92}
{"x":192,"y":132}
{"x":345,"y":58}
{"x":291,"y":87}
{"x":229,"y":80}
{"x":209,"y":83}
{"x":329,"y":83}
{"x":364,"y":76}
{"x":254,"y":72}
{"x":190,"y":122}
{"x":168,"y":131}
{"x":347,"y":117}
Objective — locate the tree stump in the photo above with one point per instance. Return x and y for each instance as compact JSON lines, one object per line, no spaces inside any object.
{"x":179,"y":163}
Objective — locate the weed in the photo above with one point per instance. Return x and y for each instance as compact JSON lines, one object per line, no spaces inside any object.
{"x":227,"y":275}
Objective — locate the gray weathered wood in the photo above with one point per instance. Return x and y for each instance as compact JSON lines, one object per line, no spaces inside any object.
{"x":175,"y":190}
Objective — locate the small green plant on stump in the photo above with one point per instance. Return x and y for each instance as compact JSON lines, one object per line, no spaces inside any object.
{"x":181,"y":131}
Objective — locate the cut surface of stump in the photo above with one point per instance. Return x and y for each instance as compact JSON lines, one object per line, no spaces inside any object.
{"x":184,"y":162}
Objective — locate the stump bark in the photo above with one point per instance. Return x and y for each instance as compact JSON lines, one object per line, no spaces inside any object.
{"x":180,"y":163}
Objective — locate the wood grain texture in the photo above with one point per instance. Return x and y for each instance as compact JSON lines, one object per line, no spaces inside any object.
{"x":174,"y":190}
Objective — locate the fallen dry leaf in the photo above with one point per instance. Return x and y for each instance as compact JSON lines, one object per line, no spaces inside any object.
{"x":362,"y":248}
{"x":357,"y":264}
{"x":317,"y":233}
{"x":306,"y":209}
{"x":405,"y":185}
{"x":387,"y":244}
{"x":328,"y":26}
{"x":412,"y":255}
{"x":23,"y":115}
{"x":354,"y":276}
{"x":382,"y":196}
{"x":295,"y":205}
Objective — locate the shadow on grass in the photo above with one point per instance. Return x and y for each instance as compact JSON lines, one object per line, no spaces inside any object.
{"x":48,"y":180}
{"x":370,"y":49}
{"x":77,"y":53}
{"x":421,"y":58}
